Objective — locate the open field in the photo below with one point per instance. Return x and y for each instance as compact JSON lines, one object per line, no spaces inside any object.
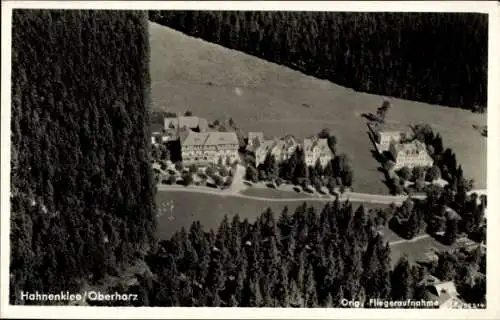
{"x":210,"y":209}
{"x":388,"y":234}
{"x":416,"y":250}
{"x":216,"y":83}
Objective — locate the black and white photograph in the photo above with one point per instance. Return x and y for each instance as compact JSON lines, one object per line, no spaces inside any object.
{"x":249,"y":156}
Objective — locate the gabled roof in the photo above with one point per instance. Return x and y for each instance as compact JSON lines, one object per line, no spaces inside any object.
{"x":392,"y":127}
{"x":191,"y":138}
{"x":255,"y":140}
{"x":442,"y":292}
{"x":266,"y":146}
{"x":414,"y":146}
{"x":202,"y":124}
{"x":323,"y":144}
{"x":218,"y":138}
{"x":447,"y":287}
{"x":288,"y":141}
{"x":188,"y":122}
{"x":310,"y":143}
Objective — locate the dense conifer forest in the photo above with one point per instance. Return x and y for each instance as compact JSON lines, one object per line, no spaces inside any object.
{"x":300,"y":259}
{"x":82,"y":194}
{"x":439,"y":58}
{"x":306,"y":258}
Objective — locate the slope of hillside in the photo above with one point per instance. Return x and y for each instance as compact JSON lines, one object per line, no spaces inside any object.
{"x":215,"y":82}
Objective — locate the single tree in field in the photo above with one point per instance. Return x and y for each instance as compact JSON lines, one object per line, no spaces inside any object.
{"x":382,"y":111}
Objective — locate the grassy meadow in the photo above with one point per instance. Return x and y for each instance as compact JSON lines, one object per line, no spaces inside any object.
{"x":210,"y":210}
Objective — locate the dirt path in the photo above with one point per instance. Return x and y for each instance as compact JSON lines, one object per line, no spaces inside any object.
{"x":424,"y":236}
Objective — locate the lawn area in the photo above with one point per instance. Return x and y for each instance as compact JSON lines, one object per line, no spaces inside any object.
{"x":215,"y":82}
{"x":275,"y":193}
{"x":416,"y":250}
{"x":210,"y":209}
{"x":388,"y":234}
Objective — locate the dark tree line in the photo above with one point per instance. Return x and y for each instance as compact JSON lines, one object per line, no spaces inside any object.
{"x":82,"y":193}
{"x":408,"y":55}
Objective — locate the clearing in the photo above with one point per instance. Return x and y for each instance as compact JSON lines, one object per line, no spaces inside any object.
{"x":180,"y":208}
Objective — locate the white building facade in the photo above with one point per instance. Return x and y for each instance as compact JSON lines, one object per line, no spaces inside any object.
{"x":411,"y":154}
{"x":317,"y":149}
{"x":209,"y":147}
